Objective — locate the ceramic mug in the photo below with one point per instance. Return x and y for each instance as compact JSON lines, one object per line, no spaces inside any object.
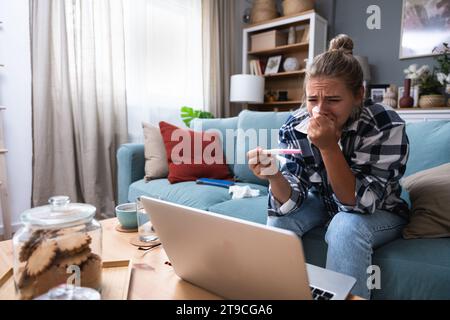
{"x":126,"y":213}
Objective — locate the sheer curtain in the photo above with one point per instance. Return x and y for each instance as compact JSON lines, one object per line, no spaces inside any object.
{"x":163,"y":43}
{"x":219,"y":48}
{"x":79,"y":100}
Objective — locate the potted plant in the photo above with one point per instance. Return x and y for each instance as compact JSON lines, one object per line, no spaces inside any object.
{"x":430,"y":88}
{"x":431,"y":92}
{"x":188,"y":114}
{"x":443,"y":74}
{"x":416,"y":74}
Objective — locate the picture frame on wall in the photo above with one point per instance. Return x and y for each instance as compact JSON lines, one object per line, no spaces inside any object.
{"x":377,"y":92}
{"x":273,"y":65}
{"x":425,"y":26}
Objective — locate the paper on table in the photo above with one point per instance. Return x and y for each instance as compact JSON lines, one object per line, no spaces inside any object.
{"x":240,"y":192}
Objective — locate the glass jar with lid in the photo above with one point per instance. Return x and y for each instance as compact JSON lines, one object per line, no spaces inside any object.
{"x":58,"y":243}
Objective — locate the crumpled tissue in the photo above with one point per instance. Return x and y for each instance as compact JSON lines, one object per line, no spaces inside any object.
{"x":240,"y":192}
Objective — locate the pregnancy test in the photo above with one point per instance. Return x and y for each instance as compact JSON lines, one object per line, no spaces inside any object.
{"x":282,"y":151}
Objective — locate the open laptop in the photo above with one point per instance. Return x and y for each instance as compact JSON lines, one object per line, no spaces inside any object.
{"x":237,"y":259}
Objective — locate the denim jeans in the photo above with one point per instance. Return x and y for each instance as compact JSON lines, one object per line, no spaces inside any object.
{"x":351,"y":237}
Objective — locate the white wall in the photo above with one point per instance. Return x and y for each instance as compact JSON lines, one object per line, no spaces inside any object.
{"x":240,"y":6}
{"x":15,"y":94}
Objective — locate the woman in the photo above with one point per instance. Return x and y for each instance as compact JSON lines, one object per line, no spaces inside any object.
{"x":347,"y":175}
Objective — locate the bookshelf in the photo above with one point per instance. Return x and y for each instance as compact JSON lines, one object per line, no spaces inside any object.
{"x":286,"y":74}
{"x":281,"y":49}
{"x":311,"y":36}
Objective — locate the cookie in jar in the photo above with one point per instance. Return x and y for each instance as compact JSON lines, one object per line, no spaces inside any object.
{"x":59,"y":243}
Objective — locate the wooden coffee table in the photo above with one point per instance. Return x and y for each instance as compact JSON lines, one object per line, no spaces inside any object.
{"x":152,"y":277}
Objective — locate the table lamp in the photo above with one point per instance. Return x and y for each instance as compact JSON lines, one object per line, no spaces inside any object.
{"x":246,"y":88}
{"x":364,"y":62}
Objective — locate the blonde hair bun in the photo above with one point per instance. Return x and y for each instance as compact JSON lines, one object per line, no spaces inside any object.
{"x":342,"y":42}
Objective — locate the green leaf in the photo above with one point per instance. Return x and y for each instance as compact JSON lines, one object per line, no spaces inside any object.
{"x":205,"y":115}
{"x":188,"y":114}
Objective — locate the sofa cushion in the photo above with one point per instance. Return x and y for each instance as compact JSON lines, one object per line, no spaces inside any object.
{"x":226,"y":128}
{"x":193,"y":154}
{"x":250,"y":209}
{"x":429,"y":191}
{"x":429,"y":147}
{"x":185,"y":193}
{"x":414,"y":269}
{"x":155,"y":153}
{"x":250,"y":124}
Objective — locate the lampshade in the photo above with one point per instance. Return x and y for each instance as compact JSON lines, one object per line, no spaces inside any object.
{"x":247,"y":88}
{"x":364,"y":62}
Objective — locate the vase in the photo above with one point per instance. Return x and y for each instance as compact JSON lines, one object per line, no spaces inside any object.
{"x":291,"y":7}
{"x":432,"y":101}
{"x":292,"y":39}
{"x":406,"y":101}
{"x":263,"y":10}
{"x":390,"y":98}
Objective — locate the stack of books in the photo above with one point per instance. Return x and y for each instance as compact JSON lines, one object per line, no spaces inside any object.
{"x":257,"y":67}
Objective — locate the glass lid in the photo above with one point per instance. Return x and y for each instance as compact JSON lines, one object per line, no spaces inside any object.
{"x":59,"y":213}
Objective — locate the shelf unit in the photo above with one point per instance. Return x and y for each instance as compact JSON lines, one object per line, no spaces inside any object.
{"x":4,"y":198}
{"x":292,"y":82}
{"x":418,"y":114}
{"x":286,"y":74}
{"x":281,"y":49}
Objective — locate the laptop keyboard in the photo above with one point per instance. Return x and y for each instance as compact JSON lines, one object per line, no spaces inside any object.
{"x":319,"y":294}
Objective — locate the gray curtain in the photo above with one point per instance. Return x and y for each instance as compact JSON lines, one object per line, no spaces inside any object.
{"x":219,"y":46}
{"x":79,"y":100}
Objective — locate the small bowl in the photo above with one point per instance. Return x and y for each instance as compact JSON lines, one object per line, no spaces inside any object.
{"x":126,"y":213}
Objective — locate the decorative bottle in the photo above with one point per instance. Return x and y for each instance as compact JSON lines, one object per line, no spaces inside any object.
{"x":407,"y":101}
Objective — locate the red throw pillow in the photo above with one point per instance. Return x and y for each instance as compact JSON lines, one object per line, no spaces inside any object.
{"x":192,"y":154}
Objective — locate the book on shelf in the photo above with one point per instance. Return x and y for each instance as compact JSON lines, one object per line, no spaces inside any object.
{"x":262,"y":64}
{"x":252,"y":68}
{"x":305,"y":37}
{"x":257,"y":67}
{"x":255,"y":63}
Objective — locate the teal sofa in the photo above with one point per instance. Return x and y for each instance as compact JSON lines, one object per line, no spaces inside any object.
{"x":410,"y":269}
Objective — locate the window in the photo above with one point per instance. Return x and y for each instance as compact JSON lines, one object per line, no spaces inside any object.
{"x":163,"y":53}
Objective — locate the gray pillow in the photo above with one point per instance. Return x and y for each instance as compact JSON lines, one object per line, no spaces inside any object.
{"x":156,"y":166}
{"x":429,"y":191}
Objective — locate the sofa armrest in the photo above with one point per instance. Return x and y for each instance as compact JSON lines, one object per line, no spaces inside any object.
{"x":131,"y":167}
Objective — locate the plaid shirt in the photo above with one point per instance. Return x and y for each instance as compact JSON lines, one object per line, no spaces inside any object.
{"x":376,"y":149}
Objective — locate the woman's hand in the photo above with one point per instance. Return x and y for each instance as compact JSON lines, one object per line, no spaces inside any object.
{"x":264,"y":166}
{"x":323,"y":132}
